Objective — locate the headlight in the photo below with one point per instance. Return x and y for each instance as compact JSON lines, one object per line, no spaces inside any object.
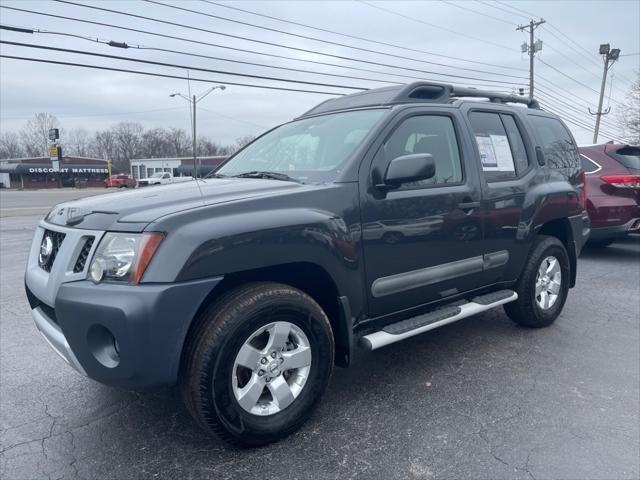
{"x":123,"y":257}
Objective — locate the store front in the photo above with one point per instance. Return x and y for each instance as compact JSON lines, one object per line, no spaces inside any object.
{"x":38,"y":172}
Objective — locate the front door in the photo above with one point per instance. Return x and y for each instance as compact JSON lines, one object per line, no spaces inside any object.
{"x":422,"y":241}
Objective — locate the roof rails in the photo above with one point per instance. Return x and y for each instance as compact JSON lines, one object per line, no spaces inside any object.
{"x":417,"y":92}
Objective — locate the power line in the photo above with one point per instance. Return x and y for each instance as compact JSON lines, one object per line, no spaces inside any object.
{"x":572,"y":107}
{"x":526,"y":14}
{"x":398,"y":14}
{"x":530,"y":47}
{"x":316,"y":39}
{"x":264,"y":42}
{"x":577,"y":122}
{"x":466,"y":8}
{"x":347,"y":35}
{"x":200,"y":42}
{"x":578,"y":48}
{"x":572,"y":78}
{"x":502,"y":10}
{"x":173,"y":65}
{"x":575,"y":105}
{"x":182,"y":52}
{"x":572,"y":120}
{"x":163,"y":75}
{"x":548,"y":99}
{"x":112,"y":114}
{"x":126,"y":45}
{"x":233,"y":118}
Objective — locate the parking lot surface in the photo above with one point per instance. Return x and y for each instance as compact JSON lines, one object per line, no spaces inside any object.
{"x":479,"y":399}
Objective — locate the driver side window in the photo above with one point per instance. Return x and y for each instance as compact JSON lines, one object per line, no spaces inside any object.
{"x":431,"y":134}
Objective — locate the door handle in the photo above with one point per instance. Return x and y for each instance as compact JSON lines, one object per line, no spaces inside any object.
{"x":468,"y":206}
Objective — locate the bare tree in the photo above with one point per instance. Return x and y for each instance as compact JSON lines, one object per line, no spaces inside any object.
{"x":629,"y":116}
{"x":128,"y":138}
{"x":155,"y":143}
{"x":10,"y":146}
{"x":244,"y":140}
{"x":105,"y":145}
{"x":207,"y":147}
{"x":77,"y":142}
{"x":180,"y":142}
{"x":35,"y":135}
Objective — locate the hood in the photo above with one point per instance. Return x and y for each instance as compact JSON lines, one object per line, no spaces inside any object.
{"x":133,"y":210}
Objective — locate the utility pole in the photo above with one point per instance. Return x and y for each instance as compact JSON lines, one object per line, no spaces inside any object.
{"x":193,"y":101}
{"x":532,"y":47}
{"x":609,"y":56}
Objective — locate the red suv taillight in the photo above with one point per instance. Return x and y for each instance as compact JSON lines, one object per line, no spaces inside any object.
{"x":622,"y":181}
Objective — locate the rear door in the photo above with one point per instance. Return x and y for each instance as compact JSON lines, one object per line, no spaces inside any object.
{"x":422,"y":241}
{"x":504,"y":154}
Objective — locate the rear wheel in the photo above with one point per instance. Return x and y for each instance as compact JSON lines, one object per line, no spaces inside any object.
{"x":543,"y":286}
{"x":257,"y":363}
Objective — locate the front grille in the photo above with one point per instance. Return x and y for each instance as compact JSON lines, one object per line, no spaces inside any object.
{"x":83,"y":256}
{"x":46,"y":261}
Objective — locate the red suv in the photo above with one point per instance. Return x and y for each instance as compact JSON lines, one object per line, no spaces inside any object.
{"x":120,"y":181}
{"x":612,"y":175}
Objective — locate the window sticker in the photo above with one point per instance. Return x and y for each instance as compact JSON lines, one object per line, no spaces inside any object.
{"x":495,"y":153}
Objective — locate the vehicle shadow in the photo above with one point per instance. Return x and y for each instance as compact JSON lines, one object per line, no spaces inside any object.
{"x":622,"y":250}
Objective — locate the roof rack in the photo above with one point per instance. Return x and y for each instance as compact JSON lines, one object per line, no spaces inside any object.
{"x":417,"y":92}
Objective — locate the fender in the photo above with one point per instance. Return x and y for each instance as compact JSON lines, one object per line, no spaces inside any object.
{"x":545,"y":205}
{"x":253,"y":234}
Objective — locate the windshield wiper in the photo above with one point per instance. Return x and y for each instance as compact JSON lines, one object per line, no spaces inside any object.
{"x":213,"y":175}
{"x":269,"y":175}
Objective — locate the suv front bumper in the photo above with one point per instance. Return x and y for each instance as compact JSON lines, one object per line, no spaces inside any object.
{"x":122,"y":335}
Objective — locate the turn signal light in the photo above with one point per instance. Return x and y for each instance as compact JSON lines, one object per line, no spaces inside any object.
{"x":622,"y":181}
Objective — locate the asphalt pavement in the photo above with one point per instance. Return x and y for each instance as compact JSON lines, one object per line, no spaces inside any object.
{"x":478,"y":399}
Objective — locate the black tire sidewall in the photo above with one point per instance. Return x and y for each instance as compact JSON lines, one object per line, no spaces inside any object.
{"x":557,"y":250}
{"x":218,"y":398}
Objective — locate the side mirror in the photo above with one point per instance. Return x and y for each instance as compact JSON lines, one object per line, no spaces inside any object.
{"x":409,"y":168}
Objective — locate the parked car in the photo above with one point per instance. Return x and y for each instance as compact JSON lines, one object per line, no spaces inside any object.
{"x":120,"y":181}
{"x":247,"y":288}
{"x":162,"y":178}
{"x":612,"y":174}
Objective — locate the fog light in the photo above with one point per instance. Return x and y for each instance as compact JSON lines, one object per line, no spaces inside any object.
{"x":104,"y":346}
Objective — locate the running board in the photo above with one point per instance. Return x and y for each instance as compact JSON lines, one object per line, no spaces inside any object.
{"x":428,"y":321}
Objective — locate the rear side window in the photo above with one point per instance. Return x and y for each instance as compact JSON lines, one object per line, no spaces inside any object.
{"x":559,"y":149}
{"x":588,"y":165}
{"x":628,"y":156}
{"x":502,"y":151}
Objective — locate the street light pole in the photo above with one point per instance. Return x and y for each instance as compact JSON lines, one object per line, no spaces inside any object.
{"x":195,"y":142}
{"x":609,"y":56}
{"x":193,"y":102}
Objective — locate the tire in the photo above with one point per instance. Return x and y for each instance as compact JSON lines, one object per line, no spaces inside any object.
{"x":210,"y":378}
{"x":527,"y":311}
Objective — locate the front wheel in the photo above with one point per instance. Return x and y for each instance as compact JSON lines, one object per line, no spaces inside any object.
{"x":543,"y":286}
{"x":257,"y":362}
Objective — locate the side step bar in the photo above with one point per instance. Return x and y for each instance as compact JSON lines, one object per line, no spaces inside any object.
{"x":428,"y":321}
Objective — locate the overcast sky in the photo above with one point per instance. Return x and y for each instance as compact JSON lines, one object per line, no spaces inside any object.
{"x":456,"y":34}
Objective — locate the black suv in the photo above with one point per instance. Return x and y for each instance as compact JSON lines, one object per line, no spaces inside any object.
{"x":369,"y":219}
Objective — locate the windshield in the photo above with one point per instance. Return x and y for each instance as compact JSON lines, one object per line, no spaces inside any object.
{"x":157,"y":175}
{"x":312,"y":149}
